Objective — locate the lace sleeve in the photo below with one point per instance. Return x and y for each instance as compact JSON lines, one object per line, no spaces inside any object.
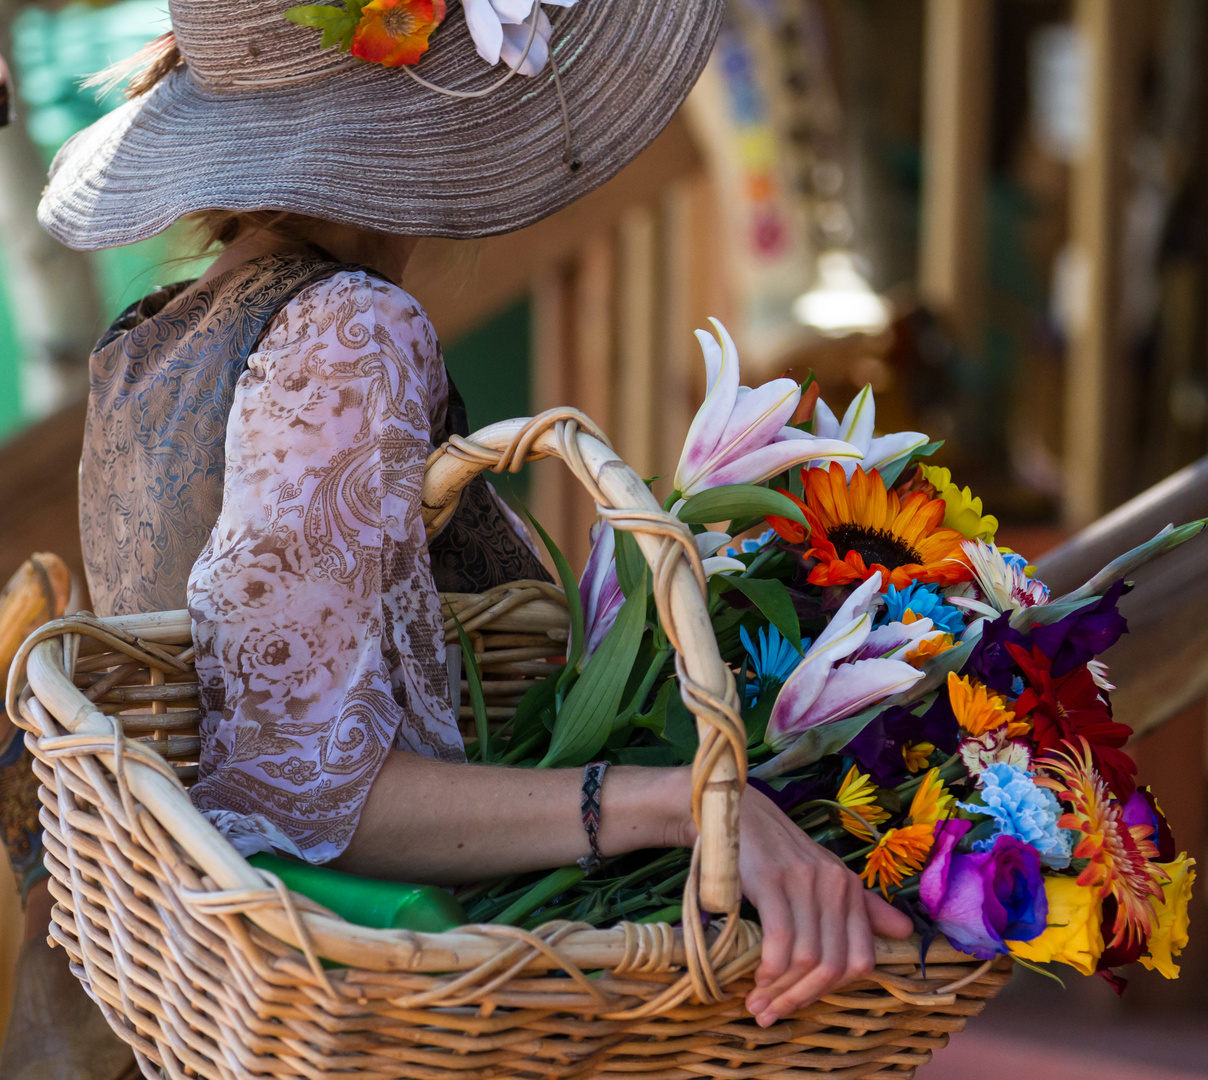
{"x":319,"y":634}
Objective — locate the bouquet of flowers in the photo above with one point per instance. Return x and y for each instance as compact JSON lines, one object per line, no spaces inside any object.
{"x":914,"y":697}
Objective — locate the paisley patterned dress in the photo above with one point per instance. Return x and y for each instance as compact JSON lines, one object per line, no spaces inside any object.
{"x":255,"y":449}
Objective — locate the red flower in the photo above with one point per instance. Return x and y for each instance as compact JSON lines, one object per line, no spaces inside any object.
{"x":1068,"y":707}
{"x":395,"y":33}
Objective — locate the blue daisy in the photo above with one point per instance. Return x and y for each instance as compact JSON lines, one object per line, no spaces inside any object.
{"x":925,"y":602}
{"x":774,"y":660}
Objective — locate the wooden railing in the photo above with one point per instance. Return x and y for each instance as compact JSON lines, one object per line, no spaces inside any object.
{"x":1161,"y":665}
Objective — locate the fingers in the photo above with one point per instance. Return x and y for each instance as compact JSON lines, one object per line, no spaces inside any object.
{"x":820,"y":953}
{"x":886,"y":920}
{"x":776,"y":918}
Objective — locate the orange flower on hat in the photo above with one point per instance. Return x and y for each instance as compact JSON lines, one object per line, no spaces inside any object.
{"x":395,"y":33}
{"x":858,"y":527}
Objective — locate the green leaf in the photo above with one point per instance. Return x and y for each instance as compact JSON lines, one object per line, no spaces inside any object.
{"x":658,"y":757}
{"x":574,"y":602}
{"x":771,"y":597}
{"x":1167,"y":540}
{"x":318,"y":16}
{"x":738,"y":501}
{"x":757,"y":717}
{"x":586,"y":717}
{"x":680,"y":727}
{"x":537,"y":700}
{"x":893,"y":471}
{"x":656,"y":719}
{"x":474,"y":679}
{"x":631,"y":563}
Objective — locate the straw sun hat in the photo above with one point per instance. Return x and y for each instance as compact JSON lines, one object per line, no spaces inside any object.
{"x":260,"y":117}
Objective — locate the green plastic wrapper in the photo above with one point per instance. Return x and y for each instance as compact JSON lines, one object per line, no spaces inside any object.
{"x":382,"y":905}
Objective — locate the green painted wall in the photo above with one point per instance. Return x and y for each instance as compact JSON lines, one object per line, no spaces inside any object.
{"x":53,"y":51}
{"x":490,"y":366}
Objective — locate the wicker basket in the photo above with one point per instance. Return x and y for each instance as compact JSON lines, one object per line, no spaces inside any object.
{"x":210,"y":968}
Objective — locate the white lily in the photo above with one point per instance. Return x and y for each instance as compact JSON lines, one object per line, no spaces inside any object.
{"x":824,"y":687}
{"x":601,"y":590}
{"x":501,"y":31}
{"x":741,"y":435}
{"x":857,"y":428}
{"x":1003,"y":584}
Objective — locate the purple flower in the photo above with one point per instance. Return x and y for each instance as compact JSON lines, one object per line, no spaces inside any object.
{"x":878,"y":748}
{"x":990,"y":661}
{"x":1084,"y":634}
{"x":1142,"y":809}
{"x":981,"y":901}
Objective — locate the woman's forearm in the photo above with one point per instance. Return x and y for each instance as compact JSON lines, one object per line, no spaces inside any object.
{"x":430,"y":821}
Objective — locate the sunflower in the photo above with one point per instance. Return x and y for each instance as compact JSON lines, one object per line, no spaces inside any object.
{"x":857,"y":528}
{"x":395,"y":33}
{"x":1119,"y":858}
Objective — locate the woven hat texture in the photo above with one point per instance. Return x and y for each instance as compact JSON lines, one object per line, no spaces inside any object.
{"x":260,"y":118}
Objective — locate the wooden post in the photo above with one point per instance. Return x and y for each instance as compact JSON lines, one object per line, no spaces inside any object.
{"x":551,"y":485}
{"x":593,"y":374}
{"x":956,"y":122}
{"x":637,"y":414}
{"x":1097,"y":393}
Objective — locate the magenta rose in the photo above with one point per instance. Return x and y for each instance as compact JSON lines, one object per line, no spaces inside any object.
{"x":982,"y":900}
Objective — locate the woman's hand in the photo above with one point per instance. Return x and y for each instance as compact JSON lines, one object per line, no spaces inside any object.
{"x":818,"y":919}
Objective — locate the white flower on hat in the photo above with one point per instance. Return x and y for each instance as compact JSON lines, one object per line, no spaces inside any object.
{"x":501,"y":30}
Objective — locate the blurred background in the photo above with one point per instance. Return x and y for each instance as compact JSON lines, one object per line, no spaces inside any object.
{"x":994,"y":211}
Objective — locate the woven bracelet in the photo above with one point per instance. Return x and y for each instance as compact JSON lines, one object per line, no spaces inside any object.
{"x":589,"y":808}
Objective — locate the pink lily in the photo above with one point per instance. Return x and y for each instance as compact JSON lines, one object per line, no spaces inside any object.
{"x":824,"y":687}
{"x":740,"y":435}
{"x":601,"y":590}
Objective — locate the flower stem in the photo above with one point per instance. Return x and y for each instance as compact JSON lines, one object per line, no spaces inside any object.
{"x":549,"y":887}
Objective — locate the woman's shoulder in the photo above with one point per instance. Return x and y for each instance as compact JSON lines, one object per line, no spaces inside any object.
{"x":356,"y":309}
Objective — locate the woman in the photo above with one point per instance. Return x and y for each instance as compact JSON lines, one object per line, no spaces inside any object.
{"x":256,"y":440}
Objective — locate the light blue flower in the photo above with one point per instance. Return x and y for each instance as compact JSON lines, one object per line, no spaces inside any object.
{"x":926,"y":603}
{"x":774,"y":661}
{"x":750,"y":547}
{"x":1023,"y":810}
{"x":1016,"y":562}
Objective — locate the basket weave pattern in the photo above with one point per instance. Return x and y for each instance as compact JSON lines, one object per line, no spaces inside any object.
{"x":210,"y":968}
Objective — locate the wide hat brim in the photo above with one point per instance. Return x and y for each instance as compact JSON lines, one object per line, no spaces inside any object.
{"x":367,"y":146}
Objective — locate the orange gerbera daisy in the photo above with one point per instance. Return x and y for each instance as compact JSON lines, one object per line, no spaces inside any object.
{"x":395,"y":33}
{"x":980,"y":710}
{"x":899,"y":853}
{"x":859,"y":527}
{"x":1120,"y":859}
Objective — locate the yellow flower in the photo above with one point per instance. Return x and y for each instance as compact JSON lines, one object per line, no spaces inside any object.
{"x":1169,"y":936}
{"x":917,"y":754}
{"x":963,"y":509}
{"x":977,"y":708}
{"x":927,"y":649}
{"x":857,"y":793}
{"x":898,"y":852}
{"x":932,"y":802}
{"x":1075,"y":931}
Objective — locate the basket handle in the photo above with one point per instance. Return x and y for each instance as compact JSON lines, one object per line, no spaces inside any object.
{"x":706,"y":683}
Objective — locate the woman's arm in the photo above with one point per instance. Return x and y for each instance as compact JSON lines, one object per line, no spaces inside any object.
{"x":429,"y":821}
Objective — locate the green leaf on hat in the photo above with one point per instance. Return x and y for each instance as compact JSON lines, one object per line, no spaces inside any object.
{"x":338,"y":24}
